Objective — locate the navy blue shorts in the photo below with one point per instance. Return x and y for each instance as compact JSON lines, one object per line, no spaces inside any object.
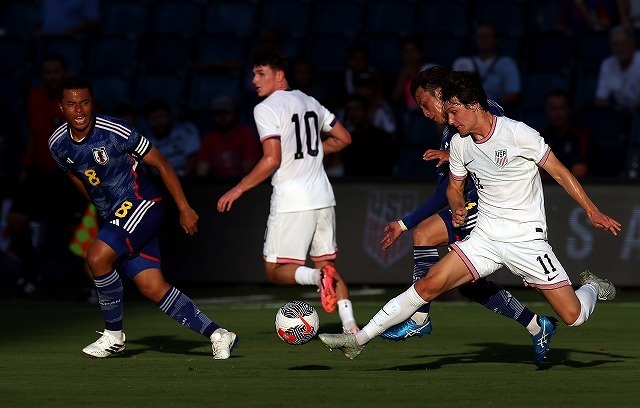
{"x":458,"y":233}
{"x":132,"y":232}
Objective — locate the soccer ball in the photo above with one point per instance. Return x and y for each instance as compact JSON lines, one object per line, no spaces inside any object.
{"x":297,"y":322}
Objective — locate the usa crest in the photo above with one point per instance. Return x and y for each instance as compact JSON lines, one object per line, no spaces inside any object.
{"x":100,"y":155}
{"x":382,"y":207}
{"x":501,"y":158}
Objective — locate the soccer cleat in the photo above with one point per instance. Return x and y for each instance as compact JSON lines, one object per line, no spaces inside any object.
{"x":542,"y":340}
{"x":105,"y":346}
{"x":606,"y":290}
{"x":407,"y":329}
{"x":327,"y":288}
{"x":222,"y":343}
{"x":346,"y":342}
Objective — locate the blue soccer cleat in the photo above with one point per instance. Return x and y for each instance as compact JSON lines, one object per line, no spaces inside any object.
{"x":406,"y":329}
{"x":542,"y":340}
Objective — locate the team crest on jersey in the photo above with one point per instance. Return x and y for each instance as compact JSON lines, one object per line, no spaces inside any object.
{"x":382,"y":207}
{"x":100,"y":155}
{"x":501,"y":158}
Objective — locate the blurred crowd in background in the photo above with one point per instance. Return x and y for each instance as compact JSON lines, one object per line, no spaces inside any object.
{"x":181,"y":72}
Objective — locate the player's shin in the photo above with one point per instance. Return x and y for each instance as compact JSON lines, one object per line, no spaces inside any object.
{"x":110,"y":292}
{"x":184,"y":311}
{"x":395,"y":311}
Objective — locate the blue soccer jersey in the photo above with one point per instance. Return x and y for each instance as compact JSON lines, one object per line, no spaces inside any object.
{"x":106,"y":162}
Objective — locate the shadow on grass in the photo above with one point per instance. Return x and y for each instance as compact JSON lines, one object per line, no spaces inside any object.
{"x":170,"y":345}
{"x":510,"y":354}
{"x":310,"y":367}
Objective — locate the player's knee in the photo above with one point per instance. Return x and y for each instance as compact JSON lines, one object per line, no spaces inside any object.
{"x":154,"y":291}
{"x":422,"y":236}
{"x":427,"y":288}
{"x":578,"y":317}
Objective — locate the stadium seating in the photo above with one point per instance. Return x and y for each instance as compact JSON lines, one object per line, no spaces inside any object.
{"x":231,"y":17}
{"x":170,"y":88}
{"x":442,"y":49}
{"x":204,"y":87}
{"x":390,"y":17}
{"x":443,"y":17}
{"x":125,"y":18}
{"x":286,"y":16}
{"x":338,"y":17}
{"x":111,"y":90}
{"x":177,"y":17}
{"x":116,"y":55}
{"x":608,"y":132}
{"x":168,"y":54}
{"x":16,"y":53}
{"x":71,"y":48}
{"x":20,"y":18}
{"x":507,"y":16}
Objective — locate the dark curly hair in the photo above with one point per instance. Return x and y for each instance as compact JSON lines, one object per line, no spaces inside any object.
{"x":429,"y":80}
{"x":466,"y":87}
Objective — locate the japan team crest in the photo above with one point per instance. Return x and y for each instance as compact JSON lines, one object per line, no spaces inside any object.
{"x":100,"y":155}
{"x":501,"y":158}
{"x":384,"y":206}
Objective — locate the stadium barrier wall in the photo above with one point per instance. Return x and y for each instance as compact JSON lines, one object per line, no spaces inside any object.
{"x":228,"y":246}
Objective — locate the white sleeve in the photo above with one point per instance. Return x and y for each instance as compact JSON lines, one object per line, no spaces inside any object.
{"x":267,"y":122}
{"x":530,"y":144}
{"x":456,"y":161}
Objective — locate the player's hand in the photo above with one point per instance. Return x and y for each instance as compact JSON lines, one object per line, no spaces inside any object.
{"x":189,"y":221}
{"x":391,"y":233}
{"x":458,"y":216}
{"x":442,"y":156}
{"x":225,"y":202}
{"x":602,"y":221}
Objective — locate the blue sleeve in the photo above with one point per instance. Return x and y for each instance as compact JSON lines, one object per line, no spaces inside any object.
{"x":431,"y":206}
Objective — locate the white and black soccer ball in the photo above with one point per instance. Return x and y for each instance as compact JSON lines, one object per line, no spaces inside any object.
{"x":297,"y":322}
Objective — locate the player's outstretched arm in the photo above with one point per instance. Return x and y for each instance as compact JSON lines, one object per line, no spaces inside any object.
{"x":188,"y":217}
{"x":442,"y":156}
{"x":339,"y":138}
{"x":391,"y":233}
{"x":563,"y":176}
{"x":271,"y":157}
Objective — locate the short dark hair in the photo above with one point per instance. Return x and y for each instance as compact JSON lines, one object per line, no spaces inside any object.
{"x":429,"y":80}
{"x":270,"y":56}
{"x":75,"y":82}
{"x":559,"y":93}
{"x":465,"y":86}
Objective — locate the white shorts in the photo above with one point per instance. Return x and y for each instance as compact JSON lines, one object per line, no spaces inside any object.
{"x":290,"y":236}
{"x":533,"y":261}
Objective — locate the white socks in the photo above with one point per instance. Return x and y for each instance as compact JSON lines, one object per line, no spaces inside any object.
{"x":115,"y":333}
{"x":307,"y":276}
{"x":533,"y":326}
{"x":588,"y":296}
{"x":397,"y":310}
{"x":345,"y":310}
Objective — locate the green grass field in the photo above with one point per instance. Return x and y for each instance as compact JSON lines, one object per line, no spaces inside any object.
{"x":473,"y":358}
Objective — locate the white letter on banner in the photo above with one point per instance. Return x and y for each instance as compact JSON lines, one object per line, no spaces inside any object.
{"x":632,"y":237}
{"x":579,"y":246}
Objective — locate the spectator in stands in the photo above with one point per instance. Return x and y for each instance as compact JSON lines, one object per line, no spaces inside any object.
{"x":619,"y":78}
{"x":178,"y":142}
{"x":499,"y":73}
{"x":41,"y":180}
{"x":629,"y":12}
{"x":304,"y":79}
{"x":372,"y":151}
{"x":581,"y":15}
{"x":358,"y":62}
{"x":66,"y":17}
{"x":566,"y":135}
{"x":232,"y":148}
{"x":411,"y":53}
{"x":379,"y":112}
{"x":127,"y":112}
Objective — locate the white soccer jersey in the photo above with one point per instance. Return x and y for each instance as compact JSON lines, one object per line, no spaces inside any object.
{"x":504,"y":167}
{"x":300,"y":183}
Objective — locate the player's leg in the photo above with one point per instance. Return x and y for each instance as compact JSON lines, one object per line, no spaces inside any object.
{"x":448,"y":273}
{"x":427,"y":237}
{"x":323,"y":251}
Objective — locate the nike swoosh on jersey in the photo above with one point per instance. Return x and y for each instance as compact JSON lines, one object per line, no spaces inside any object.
{"x":467,"y":163}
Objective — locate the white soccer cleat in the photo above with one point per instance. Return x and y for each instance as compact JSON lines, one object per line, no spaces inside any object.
{"x":107,"y":345}
{"x":345,"y":342}
{"x":222,"y":342}
{"x":606,"y":290}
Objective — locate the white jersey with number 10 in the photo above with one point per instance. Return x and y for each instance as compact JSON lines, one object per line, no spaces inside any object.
{"x":300,"y":183}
